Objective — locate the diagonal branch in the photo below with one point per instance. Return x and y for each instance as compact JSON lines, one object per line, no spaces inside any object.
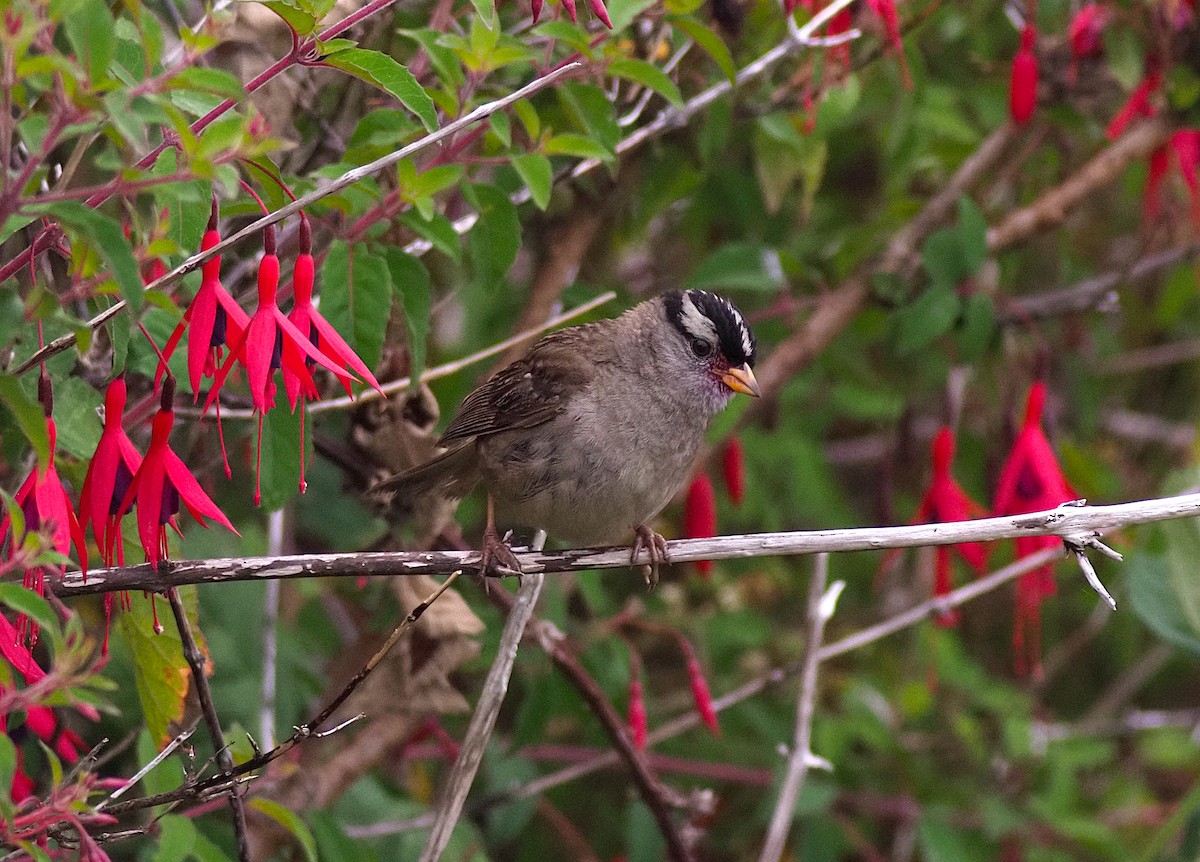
{"x":1069,"y":521}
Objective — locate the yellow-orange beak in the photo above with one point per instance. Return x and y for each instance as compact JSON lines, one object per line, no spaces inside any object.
{"x":741,"y":379}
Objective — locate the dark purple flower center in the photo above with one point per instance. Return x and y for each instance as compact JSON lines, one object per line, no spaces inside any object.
{"x":169,"y":504}
{"x":277,"y":350}
{"x":120,"y":486}
{"x":315,"y":338}
{"x":218,"y":330}
{"x":1029,"y":484}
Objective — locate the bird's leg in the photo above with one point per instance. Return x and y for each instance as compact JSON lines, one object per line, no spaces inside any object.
{"x":496,"y":559}
{"x":656,"y":546}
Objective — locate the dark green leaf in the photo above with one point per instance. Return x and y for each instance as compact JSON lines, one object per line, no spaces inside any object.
{"x":29,"y":416}
{"x":593,"y":111}
{"x":106,"y":237}
{"x":977,"y":326}
{"x":496,"y":237}
{"x":89,"y":27}
{"x":942,"y":256}
{"x":972,"y":234}
{"x":11,"y":315}
{"x":78,"y":423}
{"x":29,"y":603}
{"x":580,"y":146}
{"x":622,"y":12}
{"x":280,"y":476}
{"x":356,"y":298}
{"x":410,"y":281}
{"x":537,"y":174}
{"x":176,"y":838}
{"x":205,"y":79}
{"x":648,"y":75}
{"x":290,"y":821}
{"x":438,"y":231}
{"x":931,"y":315}
{"x":738,"y":265}
{"x":8,"y":768}
{"x":384,"y":72}
{"x":709,"y":42}
{"x":298,"y":16}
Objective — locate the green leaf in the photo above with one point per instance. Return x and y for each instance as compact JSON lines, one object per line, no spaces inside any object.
{"x":592,"y":109}
{"x":385,"y":72}
{"x":709,"y":42}
{"x":29,"y":603}
{"x":290,"y":821}
{"x":410,"y":282}
{"x":205,"y":79}
{"x":486,"y":10}
{"x":941,"y":842}
{"x":622,"y":12}
{"x":176,"y":838}
{"x":535,"y":171}
{"x":280,"y":475}
{"x":501,"y":126}
{"x":648,"y":75}
{"x":78,"y":423}
{"x":931,"y":315}
{"x":299,"y":16}
{"x":29,"y":416}
{"x":738,"y":265}
{"x":972,"y":234}
{"x":106,"y":237}
{"x":580,"y":146}
{"x":89,"y":27}
{"x":942,"y":257}
{"x":1153,"y":599}
{"x":160,"y":672}
{"x":8,"y":768}
{"x":356,"y":298}
{"x":496,"y":237}
{"x":977,"y":326}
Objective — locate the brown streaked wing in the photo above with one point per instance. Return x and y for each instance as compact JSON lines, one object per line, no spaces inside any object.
{"x":531,"y":391}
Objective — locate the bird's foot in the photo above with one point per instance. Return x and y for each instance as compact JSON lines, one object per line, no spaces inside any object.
{"x":655,"y":545}
{"x":497,"y":559}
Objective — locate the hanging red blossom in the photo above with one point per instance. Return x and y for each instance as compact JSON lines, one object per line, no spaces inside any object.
{"x":1152,"y":198}
{"x":946,"y":502}
{"x":1138,"y":104}
{"x":161,"y":483}
{"x":700,"y":693}
{"x":733,"y":467}
{"x":1186,"y":144}
{"x":1084,"y":31}
{"x":305,"y":317}
{"x":1032,"y":481}
{"x":268,"y":342}
{"x":638,"y":723}
{"x":535,"y":6}
{"x":45,"y":505}
{"x":1022,"y":95}
{"x":213,"y":318}
{"x":700,"y":515}
{"x":886,"y":10}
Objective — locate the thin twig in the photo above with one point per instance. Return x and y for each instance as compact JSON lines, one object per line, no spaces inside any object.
{"x":479,"y":731}
{"x":350,"y":177}
{"x":208,"y":709}
{"x":1069,"y":520}
{"x":801,"y":757}
{"x":220,"y":783}
{"x":155,"y":761}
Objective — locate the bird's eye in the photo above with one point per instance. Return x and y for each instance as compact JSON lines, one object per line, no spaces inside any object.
{"x":702,"y":347}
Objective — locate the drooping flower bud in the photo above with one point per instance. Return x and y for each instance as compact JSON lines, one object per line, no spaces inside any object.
{"x":733,"y":465}
{"x":700,"y":515}
{"x":1022,"y":97}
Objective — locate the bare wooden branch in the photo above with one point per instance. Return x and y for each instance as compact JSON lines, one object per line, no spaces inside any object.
{"x":1069,"y":521}
{"x":801,"y":757}
{"x":479,"y":731}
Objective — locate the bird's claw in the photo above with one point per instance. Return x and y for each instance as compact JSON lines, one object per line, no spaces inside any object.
{"x":497,"y":559}
{"x":653,"y":544}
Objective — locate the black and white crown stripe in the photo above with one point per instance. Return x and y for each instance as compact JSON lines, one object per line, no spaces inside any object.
{"x":700,"y":314}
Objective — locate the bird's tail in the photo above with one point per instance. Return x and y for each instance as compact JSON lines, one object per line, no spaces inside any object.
{"x":450,"y":475}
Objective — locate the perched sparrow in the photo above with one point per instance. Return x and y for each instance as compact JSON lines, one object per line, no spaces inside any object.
{"x":593,"y":432}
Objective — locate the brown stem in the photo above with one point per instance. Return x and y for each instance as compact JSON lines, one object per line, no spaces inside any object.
{"x":195,"y":660}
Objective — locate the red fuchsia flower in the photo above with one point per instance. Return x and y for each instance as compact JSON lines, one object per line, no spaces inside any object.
{"x":945,"y":501}
{"x":700,"y":693}
{"x":535,"y":6}
{"x":597,"y":7}
{"x":45,"y":505}
{"x":1084,"y":31}
{"x":1138,"y":104}
{"x":700,"y":516}
{"x":1152,"y":199}
{"x":213,"y":318}
{"x":1032,"y":481}
{"x":268,"y":342}
{"x":161,"y":483}
{"x":1022,"y":95}
{"x":886,"y":10}
{"x":638,"y":724}
{"x":305,"y":317}
{"x":733,"y":466}
{"x":108,"y":478}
